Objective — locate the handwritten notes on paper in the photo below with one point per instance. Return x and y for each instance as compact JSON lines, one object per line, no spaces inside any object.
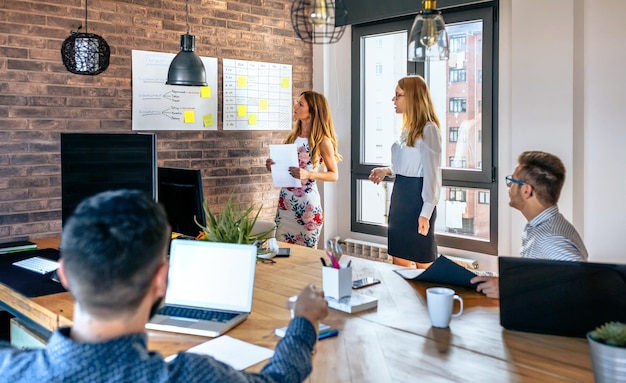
{"x":157,"y":106}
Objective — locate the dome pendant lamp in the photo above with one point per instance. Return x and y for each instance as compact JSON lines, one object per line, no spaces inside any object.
{"x":187,"y":68}
{"x":428,"y":39}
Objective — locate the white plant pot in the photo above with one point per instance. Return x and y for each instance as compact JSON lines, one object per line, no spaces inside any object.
{"x":609,"y":362}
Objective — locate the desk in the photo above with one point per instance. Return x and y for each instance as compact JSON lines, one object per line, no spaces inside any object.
{"x":393,"y":343}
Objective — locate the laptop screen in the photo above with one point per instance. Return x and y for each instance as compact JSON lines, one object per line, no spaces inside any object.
{"x":211,"y":275}
{"x":560,"y":297}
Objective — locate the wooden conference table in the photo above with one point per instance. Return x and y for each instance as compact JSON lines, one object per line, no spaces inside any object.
{"x":392,"y":343}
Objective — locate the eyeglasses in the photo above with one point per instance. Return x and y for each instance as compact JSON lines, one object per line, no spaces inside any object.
{"x":398,"y":95}
{"x":510,"y":181}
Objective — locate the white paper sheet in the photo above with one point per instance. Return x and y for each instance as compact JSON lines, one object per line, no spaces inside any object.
{"x":284,"y":156}
{"x":234,"y":352}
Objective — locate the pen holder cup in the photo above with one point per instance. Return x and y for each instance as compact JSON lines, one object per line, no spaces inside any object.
{"x":337,"y":283}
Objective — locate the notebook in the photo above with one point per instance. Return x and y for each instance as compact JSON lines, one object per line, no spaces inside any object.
{"x":560,"y":297}
{"x":206,"y":279}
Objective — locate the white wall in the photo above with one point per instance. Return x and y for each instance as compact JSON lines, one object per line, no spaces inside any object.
{"x":561,"y":89}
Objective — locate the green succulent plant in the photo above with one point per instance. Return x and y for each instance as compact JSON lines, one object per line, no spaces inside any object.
{"x":233,"y":224}
{"x":611,"y":333}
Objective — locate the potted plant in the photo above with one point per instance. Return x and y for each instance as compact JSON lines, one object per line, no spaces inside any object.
{"x":235,"y":225}
{"x":607,"y":344}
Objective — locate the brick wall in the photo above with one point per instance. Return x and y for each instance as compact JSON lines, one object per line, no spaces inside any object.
{"x":39,"y":98}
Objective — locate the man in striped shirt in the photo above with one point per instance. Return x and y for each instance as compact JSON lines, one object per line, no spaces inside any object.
{"x":534,"y":189}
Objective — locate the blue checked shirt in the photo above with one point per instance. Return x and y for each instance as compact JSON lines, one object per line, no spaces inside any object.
{"x":550,"y":236}
{"x":127,"y":359}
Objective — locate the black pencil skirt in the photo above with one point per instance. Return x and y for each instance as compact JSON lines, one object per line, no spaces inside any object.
{"x":403,"y":240}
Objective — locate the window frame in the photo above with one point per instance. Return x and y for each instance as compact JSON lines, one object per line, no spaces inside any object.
{"x":483,"y":178}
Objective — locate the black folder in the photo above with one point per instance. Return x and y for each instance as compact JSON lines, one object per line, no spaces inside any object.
{"x":443,"y":270}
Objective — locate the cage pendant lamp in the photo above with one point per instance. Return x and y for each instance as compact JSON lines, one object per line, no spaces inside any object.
{"x":187,"y":68}
{"x":428,"y":39}
{"x":315,"y":21}
{"x":85,"y":53}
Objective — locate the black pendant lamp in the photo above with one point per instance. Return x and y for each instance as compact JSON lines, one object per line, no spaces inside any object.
{"x":85,"y":53}
{"x":316,"y":21}
{"x":187,"y":68}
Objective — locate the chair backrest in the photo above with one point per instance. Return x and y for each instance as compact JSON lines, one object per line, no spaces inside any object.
{"x":261,"y":226}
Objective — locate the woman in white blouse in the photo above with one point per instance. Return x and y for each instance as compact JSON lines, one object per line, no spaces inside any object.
{"x":416,"y":166}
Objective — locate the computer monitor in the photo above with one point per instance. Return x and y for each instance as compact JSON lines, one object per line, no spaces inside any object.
{"x":180,"y":192}
{"x":95,"y":162}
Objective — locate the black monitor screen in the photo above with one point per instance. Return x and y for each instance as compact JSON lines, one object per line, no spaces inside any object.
{"x":180,"y":192}
{"x":95,"y":162}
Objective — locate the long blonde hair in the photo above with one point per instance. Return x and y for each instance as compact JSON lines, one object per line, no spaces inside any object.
{"x":418,"y":107}
{"x":321,"y":126}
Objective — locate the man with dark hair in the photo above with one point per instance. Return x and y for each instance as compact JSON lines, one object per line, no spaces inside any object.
{"x":113,"y":261}
{"x":534,"y":189}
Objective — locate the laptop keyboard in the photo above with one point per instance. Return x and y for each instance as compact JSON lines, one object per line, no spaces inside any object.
{"x":186,"y":312}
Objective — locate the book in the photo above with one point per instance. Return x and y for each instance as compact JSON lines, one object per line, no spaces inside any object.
{"x":12,"y":247}
{"x":354,"y":303}
{"x":321,"y":330}
{"x":443,"y":270}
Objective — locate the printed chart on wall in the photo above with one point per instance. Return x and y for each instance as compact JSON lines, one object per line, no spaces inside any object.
{"x":257,"y":95}
{"x":157,"y":106}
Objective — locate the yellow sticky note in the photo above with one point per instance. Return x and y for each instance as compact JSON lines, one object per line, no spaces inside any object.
{"x":263,"y":104}
{"x":207,"y":120}
{"x":252,"y":119}
{"x":190,"y":117}
{"x":205,"y":92}
{"x":285,"y":82}
{"x":241,"y":110}
{"x":241,"y":81}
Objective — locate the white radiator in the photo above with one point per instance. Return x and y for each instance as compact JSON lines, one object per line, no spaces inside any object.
{"x":378,"y":252}
{"x":368,"y":250}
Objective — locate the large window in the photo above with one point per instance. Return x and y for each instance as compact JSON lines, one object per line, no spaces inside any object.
{"x":463,"y":89}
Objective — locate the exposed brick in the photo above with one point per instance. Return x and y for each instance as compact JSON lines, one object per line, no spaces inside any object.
{"x":39,"y":98}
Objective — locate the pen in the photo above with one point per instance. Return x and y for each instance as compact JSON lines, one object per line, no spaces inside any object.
{"x":323,"y":261}
{"x":328,"y":334}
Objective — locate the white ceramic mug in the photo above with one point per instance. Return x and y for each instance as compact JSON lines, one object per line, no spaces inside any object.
{"x":440,"y":301}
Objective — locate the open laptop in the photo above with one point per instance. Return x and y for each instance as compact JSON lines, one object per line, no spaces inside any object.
{"x":210,"y":288}
{"x":560,"y":297}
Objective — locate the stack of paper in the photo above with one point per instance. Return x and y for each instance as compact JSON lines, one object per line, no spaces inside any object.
{"x":354,"y":303}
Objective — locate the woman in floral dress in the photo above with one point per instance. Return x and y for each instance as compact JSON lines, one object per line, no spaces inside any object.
{"x":299,"y":215}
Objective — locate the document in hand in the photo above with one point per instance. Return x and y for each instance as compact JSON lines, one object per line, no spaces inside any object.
{"x":284,"y":156}
{"x":443,"y":270}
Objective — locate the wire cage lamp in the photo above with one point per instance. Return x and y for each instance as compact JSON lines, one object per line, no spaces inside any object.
{"x":316,"y":21}
{"x":187,"y":68}
{"x":428,"y":39}
{"x":85,"y":53}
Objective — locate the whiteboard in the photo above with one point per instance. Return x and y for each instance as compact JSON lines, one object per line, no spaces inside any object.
{"x":256,"y":95}
{"x":157,"y":106}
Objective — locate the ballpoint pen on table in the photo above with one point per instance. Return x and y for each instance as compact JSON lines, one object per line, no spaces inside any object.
{"x":328,"y":334}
